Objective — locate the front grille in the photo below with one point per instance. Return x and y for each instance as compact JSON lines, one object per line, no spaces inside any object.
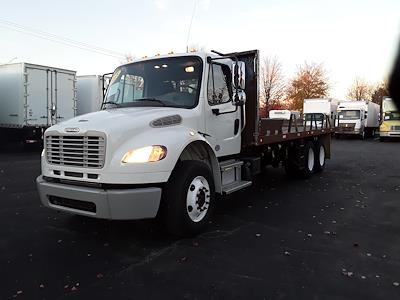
{"x":76,"y":151}
{"x":395,"y":128}
{"x":346,"y":126}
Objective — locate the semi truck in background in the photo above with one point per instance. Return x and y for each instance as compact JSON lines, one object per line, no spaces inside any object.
{"x":90,"y":92}
{"x":359,"y":118}
{"x":317,"y":108}
{"x":390,"y":120}
{"x":173,"y":132}
{"x":33,"y":98}
{"x":283,"y":114}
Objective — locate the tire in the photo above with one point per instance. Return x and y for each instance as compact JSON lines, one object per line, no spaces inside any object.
{"x":320,"y":157}
{"x":188,"y":199}
{"x":291,"y":167}
{"x":307,"y":161}
{"x":381,"y":139}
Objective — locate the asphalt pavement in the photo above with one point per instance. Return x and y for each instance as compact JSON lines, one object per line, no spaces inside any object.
{"x":334,"y":236}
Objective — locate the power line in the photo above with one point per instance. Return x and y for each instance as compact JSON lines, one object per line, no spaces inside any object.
{"x":190,"y":25}
{"x":59,"y":39}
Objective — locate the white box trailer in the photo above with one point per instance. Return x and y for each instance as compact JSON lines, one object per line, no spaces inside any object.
{"x":322,"y":106}
{"x":89,"y":93}
{"x":34,"y":97}
{"x":357,"y":117}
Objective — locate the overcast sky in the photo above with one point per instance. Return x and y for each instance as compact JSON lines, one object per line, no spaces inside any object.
{"x":351,"y":38}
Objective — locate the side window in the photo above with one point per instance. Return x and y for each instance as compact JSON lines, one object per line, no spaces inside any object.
{"x":219,"y":84}
{"x":133,"y":88}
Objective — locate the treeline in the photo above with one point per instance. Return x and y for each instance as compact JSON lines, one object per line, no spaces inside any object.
{"x":309,"y":81}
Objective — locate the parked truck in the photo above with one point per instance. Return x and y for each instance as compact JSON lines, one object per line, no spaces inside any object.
{"x":390,"y":120}
{"x":283,"y":114}
{"x":33,"y":98}
{"x":90,"y":92}
{"x":317,"y":108}
{"x":357,"y":118}
{"x":174,"y":131}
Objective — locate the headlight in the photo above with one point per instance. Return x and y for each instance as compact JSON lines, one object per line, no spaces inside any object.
{"x":42,"y":155}
{"x":145,"y":154}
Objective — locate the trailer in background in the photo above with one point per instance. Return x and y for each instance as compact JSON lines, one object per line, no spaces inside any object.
{"x":357,"y":118}
{"x":33,"y":98}
{"x":283,"y":114}
{"x":319,"y":108}
{"x":89,"y":93}
{"x":390,"y":120}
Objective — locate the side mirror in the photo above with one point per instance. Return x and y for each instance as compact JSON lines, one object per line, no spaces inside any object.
{"x":239,"y":82}
{"x":239,"y":75}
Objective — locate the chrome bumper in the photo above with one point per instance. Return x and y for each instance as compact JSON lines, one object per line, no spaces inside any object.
{"x":389,"y":133}
{"x":113,"y":204}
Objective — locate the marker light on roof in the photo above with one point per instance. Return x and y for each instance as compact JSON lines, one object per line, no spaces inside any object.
{"x":189,"y":69}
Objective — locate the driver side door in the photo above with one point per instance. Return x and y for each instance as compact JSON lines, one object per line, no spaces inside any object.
{"x":222,"y":116}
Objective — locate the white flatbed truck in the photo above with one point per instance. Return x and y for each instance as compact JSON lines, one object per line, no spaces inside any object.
{"x":173,"y":132}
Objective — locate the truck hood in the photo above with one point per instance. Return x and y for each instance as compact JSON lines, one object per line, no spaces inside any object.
{"x":122,"y":121}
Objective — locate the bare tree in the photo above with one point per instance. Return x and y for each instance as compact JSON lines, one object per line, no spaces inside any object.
{"x":309,"y":82}
{"x":359,"y":90}
{"x":272,"y":82}
{"x":380,"y":91}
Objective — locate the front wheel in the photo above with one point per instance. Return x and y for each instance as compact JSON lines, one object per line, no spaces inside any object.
{"x":188,"y":199}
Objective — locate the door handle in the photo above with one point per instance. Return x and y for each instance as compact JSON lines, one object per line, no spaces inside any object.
{"x":236,"y":126}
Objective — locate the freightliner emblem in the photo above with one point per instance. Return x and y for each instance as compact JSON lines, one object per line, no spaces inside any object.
{"x":74,"y":129}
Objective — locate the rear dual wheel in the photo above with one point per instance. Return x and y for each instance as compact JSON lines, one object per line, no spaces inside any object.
{"x":320,"y":157}
{"x":309,"y":160}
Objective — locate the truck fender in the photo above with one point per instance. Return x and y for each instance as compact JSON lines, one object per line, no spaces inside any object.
{"x":201,"y":150}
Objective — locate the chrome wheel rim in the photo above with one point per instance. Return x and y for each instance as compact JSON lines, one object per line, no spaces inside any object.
{"x":321,"y":155}
{"x":310,"y":159}
{"x":198,"y":199}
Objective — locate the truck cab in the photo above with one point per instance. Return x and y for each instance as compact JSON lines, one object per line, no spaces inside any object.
{"x":360,"y":118}
{"x":390,"y":120}
{"x":351,"y":120}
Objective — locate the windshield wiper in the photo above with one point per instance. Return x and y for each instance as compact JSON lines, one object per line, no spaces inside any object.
{"x":111,"y":102}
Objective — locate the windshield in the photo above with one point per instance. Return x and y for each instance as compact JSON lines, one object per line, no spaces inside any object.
{"x":314,"y":117}
{"x":388,"y":105}
{"x":173,"y":81}
{"x":349,"y":114}
{"x":392,"y":116}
